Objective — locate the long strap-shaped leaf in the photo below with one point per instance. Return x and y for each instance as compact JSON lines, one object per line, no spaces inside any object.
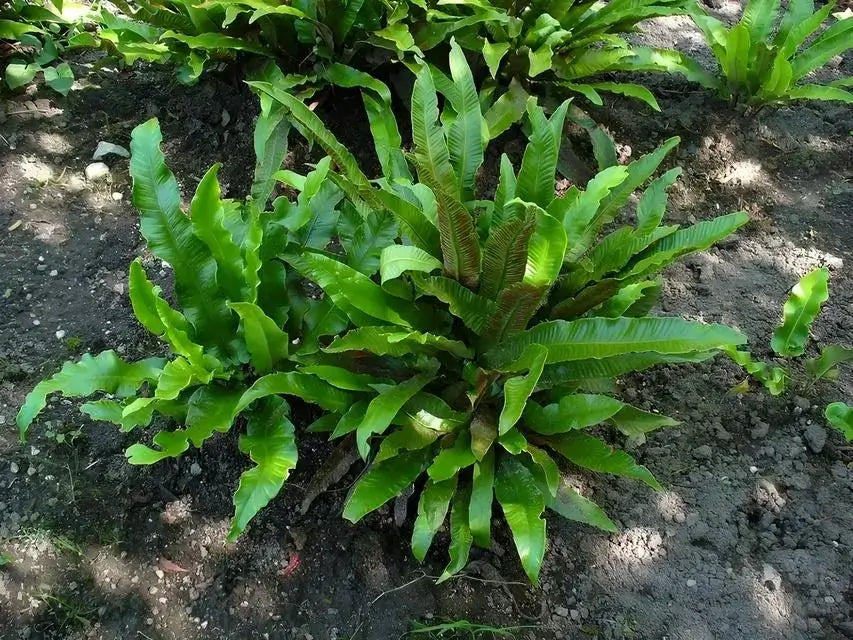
{"x":523,"y":505}
{"x":801,"y":309}
{"x":539,"y":164}
{"x":364,"y":301}
{"x":460,"y":246}
{"x":383,"y":481}
{"x":605,"y":337}
{"x":270,"y":442}
{"x":466,"y":305}
{"x":466,"y":132}
{"x":395,"y":341}
{"x":170,"y":237}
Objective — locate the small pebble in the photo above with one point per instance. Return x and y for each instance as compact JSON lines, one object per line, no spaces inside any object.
{"x":13,"y":467}
{"x":60,"y":334}
{"x":53,"y":273}
{"x":117,"y":196}
{"x":691,"y":583}
{"x":195,"y":469}
{"x":97,"y":171}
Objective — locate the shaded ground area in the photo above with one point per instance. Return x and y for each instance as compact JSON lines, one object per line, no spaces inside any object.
{"x":753,"y":537}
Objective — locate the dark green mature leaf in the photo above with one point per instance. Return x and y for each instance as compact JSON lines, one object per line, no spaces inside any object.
{"x":364,"y":301}
{"x":266,"y":342}
{"x":270,"y":144}
{"x":430,"y":144}
{"x":341,"y":156}
{"x":382,"y":409}
{"x":394,"y":341}
{"x":801,"y":310}
{"x":208,"y":224}
{"x":507,"y":109}
{"x":465,"y":134}
{"x":840,"y":416}
{"x":597,"y":368}
{"x":697,"y":237}
{"x":539,"y":165}
{"x":573,"y":411}
{"x":451,"y":460}
{"x":466,"y":305}
{"x":505,"y":256}
{"x":517,"y":390}
{"x":105,"y":372}
{"x":523,"y":505}
{"x":604,"y":337}
{"x":460,"y":535}
{"x":270,"y":442}
{"x":302,"y":385}
{"x":652,"y":205}
{"x":593,"y":454}
{"x":386,"y":136}
{"x":363,"y":239}
{"x":210,"y":409}
{"x":170,"y":237}
{"x":572,"y":505}
{"x":482,"y":493}
{"x":155,"y":314}
{"x":820,"y":92}
{"x":383,"y":481}
{"x":432,"y":510}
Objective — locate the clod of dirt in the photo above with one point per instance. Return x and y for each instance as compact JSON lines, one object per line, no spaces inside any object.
{"x":815,"y":437}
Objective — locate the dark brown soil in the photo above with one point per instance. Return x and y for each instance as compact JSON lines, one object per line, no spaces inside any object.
{"x":752,"y":538}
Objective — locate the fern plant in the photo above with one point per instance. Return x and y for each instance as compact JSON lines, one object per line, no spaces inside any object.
{"x":568,"y":44}
{"x":230,"y":339}
{"x":33,"y":37}
{"x":768,"y":55}
{"x":487,"y":347}
{"x":304,"y":36}
{"x":789,"y":341}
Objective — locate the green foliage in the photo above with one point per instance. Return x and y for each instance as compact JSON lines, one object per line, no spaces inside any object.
{"x":228,"y":338}
{"x":38,"y":33}
{"x":568,"y":44}
{"x":495,"y":319}
{"x":767,"y":57}
{"x":789,"y":340}
{"x":311,"y":34}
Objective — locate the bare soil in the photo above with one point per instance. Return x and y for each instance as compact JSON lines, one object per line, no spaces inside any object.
{"x":752,"y":538}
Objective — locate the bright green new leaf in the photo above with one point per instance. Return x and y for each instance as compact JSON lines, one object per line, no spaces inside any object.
{"x":396,"y":259}
{"x":105,"y":372}
{"x":801,"y":310}
{"x":840,"y":416}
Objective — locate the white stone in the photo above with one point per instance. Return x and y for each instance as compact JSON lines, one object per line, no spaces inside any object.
{"x":97,"y":171}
